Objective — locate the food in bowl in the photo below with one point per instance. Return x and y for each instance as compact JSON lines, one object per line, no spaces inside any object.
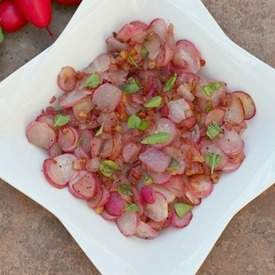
{"x":140,"y":134}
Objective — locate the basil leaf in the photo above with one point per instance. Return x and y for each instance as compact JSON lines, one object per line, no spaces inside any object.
{"x":132,"y":61}
{"x":211,"y":88}
{"x":158,"y":138}
{"x":108,"y":167}
{"x":93,"y":81}
{"x":182,"y":209}
{"x":169,"y":84}
{"x":132,"y":207}
{"x":125,"y":189}
{"x":100,"y":130}
{"x":2,"y":36}
{"x":173,"y":166}
{"x":154,"y":102}
{"x":213,"y":130}
{"x":143,"y":125}
{"x":60,"y":120}
{"x":148,"y":180}
{"x":212,"y":160}
{"x":134,"y":122}
{"x":131,"y":86}
{"x":144,"y":52}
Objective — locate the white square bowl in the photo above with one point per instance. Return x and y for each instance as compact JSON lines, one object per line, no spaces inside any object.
{"x":174,"y":252}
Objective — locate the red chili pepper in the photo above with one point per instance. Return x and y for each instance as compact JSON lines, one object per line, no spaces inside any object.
{"x":11,"y":19}
{"x":69,"y":2}
{"x":37,"y":12}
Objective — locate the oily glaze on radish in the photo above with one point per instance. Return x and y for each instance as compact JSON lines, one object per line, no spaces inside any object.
{"x":140,"y":133}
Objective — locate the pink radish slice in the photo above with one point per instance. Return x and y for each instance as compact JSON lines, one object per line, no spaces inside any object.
{"x":235,"y":112}
{"x":157,"y":211}
{"x":93,"y":203}
{"x":49,"y":119}
{"x":84,"y":185}
{"x":153,"y":45}
{"x":196,"y":133}
{"x":231,"y":143}
{"x":155,"y":160}
{"x":130,"y":152}
{"x":107,"y":97}
{"x":114,"y":44}
{"x":92,"y":165}
{"x":191,"y":199}
{"x":82,"y":108}
{"x":247,"y":103}
{"x":134,"y":31}
{"x":116,"y":77}
{"x":156,"y":225}
{"x":187,"y":56}
{"x":107,"y":216}
{"x":67,"y":79}
{"x":68,"y":138}
{"x":166,"y":125}
{"x":159,"y":27}
{"x":105,"y":197}
{"x":188,"y":123}
{"x":100,"y":64}
{"x":147,"y":194}
{"x":176,"y":185}
{"x":184,"y":91}
{"x":201,"y":186}
{"x":160,"y":178}
{"x":59,"y":171}
{"x":115,"y":205}
{"x":181,"y":222}
{"x":72,"y":98}
{"x":215,"y":116}
{"x":40,"y":134}
{"x":80,"y":153}
{"x":145,"y":231}
{"x":127,"y":223}
{"x":170,"y":196}
{"x":179,"y":110}
{"x":55,"y":150}
{"x":96,"y":144}
{"x":85,"y":139}
{"x":234,"y":163}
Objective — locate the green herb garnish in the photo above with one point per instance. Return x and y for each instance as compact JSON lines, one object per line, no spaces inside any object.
{"x":211,"y":88}
{"x":125,"y":189}
{"x":2,"y":36}
{"x":213,"y":130}
{"x":132,"y":207}
{"x":61,"y":120}
{"x":93,"y":81}
{"x":182,"y":209}
{"x":148,"y":180}
{"x":131,"y":87}
{"x":108,"y":167}
{"x":154,"y":102}
{"x":134,"y":122}
{"x":212,"y":160}
{"x":158,"y":138}
{"x":169,"y":84}
{"x":144,"y":52}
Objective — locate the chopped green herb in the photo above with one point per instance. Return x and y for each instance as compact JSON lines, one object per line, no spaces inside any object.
{"x":148,"y":180}
{"x":2,"y":36}
{"x":211,"y":88}
{"x":144,"y":52}
{"x":131,"y":87}
{"x":143,"y":125}
{"x":173,"y":166}
{"x":182,"y":209}
{"x":213,"y":130}
{"x":132,"y":207}
{"x":158,"y":138}
{"x":108,"y":167}
{"x":154,"y":102}
{"x":100,"y":130}
{"x":61,"y":120}
{"x":132,"y":61}
{"x":93,"y":81}
{"x":125,"y":189}
{"x":169,"y":84}
{"x":134,"y":122}
{"x":212,"y":160}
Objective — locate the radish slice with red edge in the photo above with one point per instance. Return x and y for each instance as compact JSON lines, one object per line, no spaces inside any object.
{"x":145,"y":231}
{"x":215,"y":116}
{"x":66,"y":79}
{"x":247,"y":103}
{"x":40,"y":134}
{"x":100,"y":64}
{"x":127,"y":223}
{"x":49,"y":119}
{"x":130,"y":152}
{"x":234,"y":163}
{"x":71,"y":98}
{"x":181,"y":222}
{"x":176,"y":185}
{"x":105,"y":215}
{"x":105,"y":197}
{"x":169,"y":195}
{"x":159,"y":27}
{"x":55,"y":150}
{"x":114,"y":44}
{"x":179,"y":110}
{"x":147,"y":194}
{"x":85,"y":139}
{"x":235,"y":112}
{"x":68,"y":138}
{"x":160,"y":178}
{"x":59,"y":170}
{"x":201,"y":186}
{"x":115,"y":205}
{"x":93,"y":203}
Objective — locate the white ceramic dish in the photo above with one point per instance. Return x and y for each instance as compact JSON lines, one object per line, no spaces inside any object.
{"x":174,"y":252}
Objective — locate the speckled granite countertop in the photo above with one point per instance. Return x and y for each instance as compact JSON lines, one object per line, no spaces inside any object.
{"x":33,"y":242}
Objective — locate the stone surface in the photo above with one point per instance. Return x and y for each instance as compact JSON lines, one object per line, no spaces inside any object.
{"x":247,"y":246}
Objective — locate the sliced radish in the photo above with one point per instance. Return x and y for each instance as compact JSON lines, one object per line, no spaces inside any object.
{"x":191,"y":199}
{"x":96,"y":145}
{"x":59,"y":170}
{"x":100,"y":64}
{"x":127,"y":223}
{"x":215,"y":116}
{"x":181,"y":222}
{"x":187,"y":56}
{"x":153,"y":45}
{"x":170,"y":196}
{"x":68,"y":138}
{"x":188,"y":123}
{"x":231,"y":143}
{"x":67,"y":79}
{"x":114,"y":44}
{"x":116,"y":77}
{"x":201,"y":186}
{"x":80,"y":153}
{"x":107,"y":97}
{"x":157,"y":211}
{"x":55,"y":150}
{"x":108,"y":217}
{"x":40,"y":134}
{"x":179,"y":110}
{"x":85,"y":139}
{"x":105,"y":197}
{"x":235,"y":112}
{"x":247,"y":103}
{"x":130,"y":152}
{"x":156,"y":225}
{"x":155,"y":160}
{"x":160,"y":178}
{"x":72,"y":98}
{"x":93,"y":203}
{"x":147,"y":194}
{"x":234,"y":163}
{"x":115,"y":205}
{"x":134,"y":31}
{"x":184,"y":90}
{"x":49,"y":119}
{"x":82,"y":108}
{"x":145,"y":231}
{"x":84,"y":185}
{"x":176,"y":185}
{"x":92,"y":165}
{"x":159,"y":27}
